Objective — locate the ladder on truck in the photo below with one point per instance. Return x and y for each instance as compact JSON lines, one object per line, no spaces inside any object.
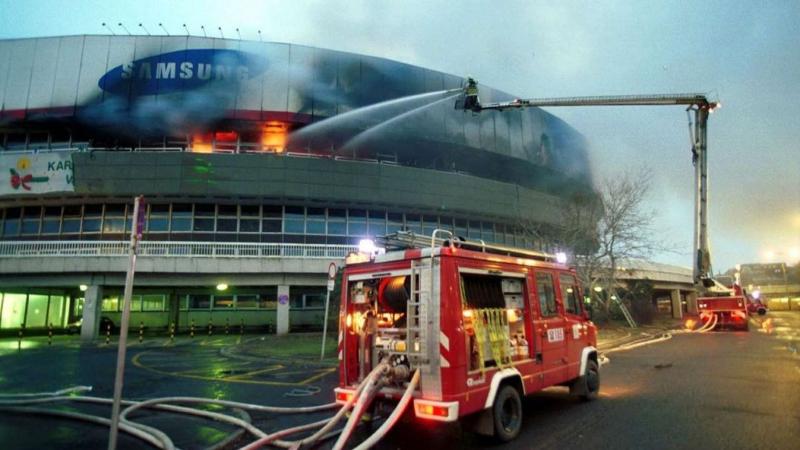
{"x":409,"y":239}
{"x":417,"y":312}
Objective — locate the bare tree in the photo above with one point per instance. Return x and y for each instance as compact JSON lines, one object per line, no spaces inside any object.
{"x":603,"y":228}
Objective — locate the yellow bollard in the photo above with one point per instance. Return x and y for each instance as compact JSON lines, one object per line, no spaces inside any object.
{"x":108,"y":334}
{"x":191,"y":330}
{"x":210,"y":327}
{"x":49,"y":334}
{"x":172,"y":332}
{"x":141,"y":331}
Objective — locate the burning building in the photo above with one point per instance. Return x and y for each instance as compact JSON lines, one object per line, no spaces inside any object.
{"x":260,"y":163}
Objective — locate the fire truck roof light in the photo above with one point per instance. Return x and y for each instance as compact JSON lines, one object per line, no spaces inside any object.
{"x":366,"y":245}
{"x":561,"y":257}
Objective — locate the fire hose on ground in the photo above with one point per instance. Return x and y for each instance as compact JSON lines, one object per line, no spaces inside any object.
{"x":155,"y":437}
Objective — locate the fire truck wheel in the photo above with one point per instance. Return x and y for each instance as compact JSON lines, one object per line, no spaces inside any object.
{"x":507,"y":412}
{"x":591,"y":381}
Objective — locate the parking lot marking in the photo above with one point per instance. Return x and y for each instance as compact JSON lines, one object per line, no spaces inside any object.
{"x":137,"y":361}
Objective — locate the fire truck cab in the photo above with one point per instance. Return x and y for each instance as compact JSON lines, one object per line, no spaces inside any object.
{"x":484,"y":325}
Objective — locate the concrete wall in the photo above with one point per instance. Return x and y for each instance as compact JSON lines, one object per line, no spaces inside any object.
{"x":307,"y":180}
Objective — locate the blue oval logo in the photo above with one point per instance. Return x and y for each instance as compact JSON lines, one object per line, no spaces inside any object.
{"x":181,"y":70}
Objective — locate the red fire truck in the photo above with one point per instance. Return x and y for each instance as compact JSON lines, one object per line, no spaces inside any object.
{"x":484,"y":325}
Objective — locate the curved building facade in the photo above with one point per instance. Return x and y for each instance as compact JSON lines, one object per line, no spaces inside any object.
{"x":260,"y":162}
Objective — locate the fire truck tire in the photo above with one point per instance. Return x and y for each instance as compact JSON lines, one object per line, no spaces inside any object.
{"x":507,"y":413}
{"x":590,"y":381}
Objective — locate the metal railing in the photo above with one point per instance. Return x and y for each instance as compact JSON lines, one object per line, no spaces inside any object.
{"x":176,"y":249}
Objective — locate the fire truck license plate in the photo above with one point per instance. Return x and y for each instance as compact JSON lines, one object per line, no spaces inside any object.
{"x":555,"y":335}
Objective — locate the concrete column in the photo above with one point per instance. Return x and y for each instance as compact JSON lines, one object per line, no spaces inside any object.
{"x":93,"y":300}
{"x":691,"y":303}
{"x":282,"y":317}
{"x":677,"y":308}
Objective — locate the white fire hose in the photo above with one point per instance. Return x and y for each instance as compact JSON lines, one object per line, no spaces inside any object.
{"x":155,"y":437}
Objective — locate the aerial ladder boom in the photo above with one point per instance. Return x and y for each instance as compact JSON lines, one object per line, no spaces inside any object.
{"x":698,"y":103}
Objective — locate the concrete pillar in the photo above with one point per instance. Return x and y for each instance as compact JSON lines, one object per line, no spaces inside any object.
{"x":691,"y":302}
{"x":677,"y":307}
{"x":282,"y":316}
{"x":93,"y":300}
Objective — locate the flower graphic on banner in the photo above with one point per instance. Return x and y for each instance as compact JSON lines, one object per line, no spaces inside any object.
{"x":19,"y":179}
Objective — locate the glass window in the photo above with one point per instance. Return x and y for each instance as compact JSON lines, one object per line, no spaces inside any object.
{"x":226,"y":210}
{"x":271,"y":211}
{"x":546,"y":293}
{"x":181,"y":224}
{"x":203,"y":224}
{"x":271,"y":226}
{"x":226,"y":225}
{"x":337,"y":213}
{"x":488,"y":232}
{"x":294,"y":226}
{"x":154,"y":224}
{"x":71,"y":226}
{"x":115,"y":209}
{"x":413,"y":223}
{"x":32,"y":212}
{"x":223,"y":301}
{"x":474,"y":231}
{"x":316,"y":213}
{"x":136,"y":303}
{"x":182,"y":210}
{"x":429,"y":224}
{"x":52,"y":211}
{"x":315,"y":227}
{"x":248,"y":225}
{"x":569,"y":294}
{"x":247,"y":301}
{"x":13,"y":213}
{"x":357,"y":229}
{"x":377,"y":223}
{"x":91,"y":225}
{"x":336,"y":227}
{"x":110,"y":304}
{"x":72,"y":211}
{"x":93,"y":210}
{"x":201,"y":301}
{"x":11,"y":227}
{"x":56,"y":317}
{"x":159,"y":209}
{"x":153,"y":302}
{"x":113,"y":225}
{"x":30,"y":226}
{"x":204,"y":210}
{"x":395,"y":222}
{"x":250,"y":210}
{"x":37,"y":311}
{"x":295,"y":212}
{"x":13,"y":314}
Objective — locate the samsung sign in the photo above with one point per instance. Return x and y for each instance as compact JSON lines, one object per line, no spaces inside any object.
{"x":180,"y":71}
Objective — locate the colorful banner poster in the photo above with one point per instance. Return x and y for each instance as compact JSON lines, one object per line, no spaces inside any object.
{"x":36,"y":173}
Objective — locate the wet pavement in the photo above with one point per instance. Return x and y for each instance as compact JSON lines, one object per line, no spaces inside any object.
{"x":717,"y":390}
{"x":225,"y":367}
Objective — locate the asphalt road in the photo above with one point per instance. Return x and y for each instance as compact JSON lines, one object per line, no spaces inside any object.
{"x":721,"y":390}
{"x":716,"y":390}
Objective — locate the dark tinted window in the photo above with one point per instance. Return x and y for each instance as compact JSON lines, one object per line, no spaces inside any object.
{"x":569,"y":294}
{"x":546,"y":293}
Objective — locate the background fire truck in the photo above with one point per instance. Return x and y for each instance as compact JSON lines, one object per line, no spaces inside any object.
{"x":478,"y":326}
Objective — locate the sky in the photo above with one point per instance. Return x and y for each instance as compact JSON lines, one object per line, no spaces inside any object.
{"x":742,"y":53}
